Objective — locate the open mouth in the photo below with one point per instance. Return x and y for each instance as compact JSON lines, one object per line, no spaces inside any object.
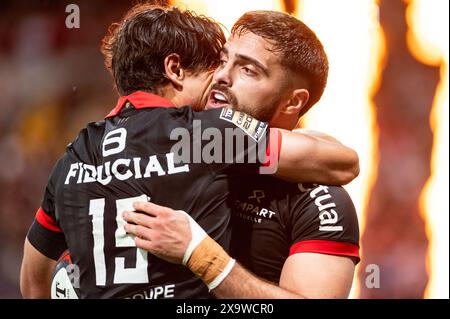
{"x":217,"y":99}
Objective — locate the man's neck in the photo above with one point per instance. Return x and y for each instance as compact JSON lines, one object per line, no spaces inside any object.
{"x":169,"y":93}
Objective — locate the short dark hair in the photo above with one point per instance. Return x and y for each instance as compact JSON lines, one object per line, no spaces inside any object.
{"x":135,"y":48}
{"x":297,"y":46}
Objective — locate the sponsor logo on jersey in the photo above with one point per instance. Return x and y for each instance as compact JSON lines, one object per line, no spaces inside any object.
{"x":324,"y":202}
{"x":159,"y":292}
{"x":251,"y":126}
{"x":250,"y":211}
{"x":123,"y":169}
{"x":257,"y":195}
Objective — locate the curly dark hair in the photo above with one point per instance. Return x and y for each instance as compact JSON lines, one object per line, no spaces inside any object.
{"x":135,"y":48}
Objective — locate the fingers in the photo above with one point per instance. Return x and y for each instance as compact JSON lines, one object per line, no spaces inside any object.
{"x":166,"y":235}
{"x":143,"y":236}
{"x":139,"y":231}
{"x":151,"y":208}
{"x":144,"y":244}
{"x":139,"y":219}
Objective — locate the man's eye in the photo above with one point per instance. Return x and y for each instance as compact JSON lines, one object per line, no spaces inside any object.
{"x":222,"y":62}
{"x":247,"y":71}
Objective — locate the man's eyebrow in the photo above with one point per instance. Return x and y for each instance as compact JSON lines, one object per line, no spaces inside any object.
{"x":254,"y":62}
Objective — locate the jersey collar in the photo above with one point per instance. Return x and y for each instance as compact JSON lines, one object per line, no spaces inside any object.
{"x":140,"y":100}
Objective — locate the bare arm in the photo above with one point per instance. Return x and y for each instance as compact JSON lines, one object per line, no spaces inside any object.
{"x":36,"y":273}
{"x":304,"y":275}
{"x":317,"y":134}
{"x":313,"y":157}
{"x":241,"y":283}
{"x":318,"y":275}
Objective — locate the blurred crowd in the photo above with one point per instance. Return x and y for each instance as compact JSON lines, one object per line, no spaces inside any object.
{"x":52,"y":82}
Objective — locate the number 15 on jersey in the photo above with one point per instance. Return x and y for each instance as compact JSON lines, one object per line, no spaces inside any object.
{"x":122,"y":275}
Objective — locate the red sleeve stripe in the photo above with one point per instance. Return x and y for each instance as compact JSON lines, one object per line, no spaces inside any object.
{"x":272,"y":133}
{"x":326,"y":247}
{"x":46,"y":221}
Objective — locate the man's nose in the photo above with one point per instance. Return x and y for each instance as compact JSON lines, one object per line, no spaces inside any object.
{"x":222,"y":76}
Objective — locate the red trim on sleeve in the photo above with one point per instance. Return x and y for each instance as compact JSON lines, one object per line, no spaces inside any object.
{"x":46,"y":221}
{"x":326,"y":247}
{"x":272,"y":132}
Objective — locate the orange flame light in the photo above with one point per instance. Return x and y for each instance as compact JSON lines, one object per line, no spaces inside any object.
{"x":346,"y":111}
{"x":428,"y":41}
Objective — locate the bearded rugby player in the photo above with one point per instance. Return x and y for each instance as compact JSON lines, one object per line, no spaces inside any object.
{"x":301,"y":240}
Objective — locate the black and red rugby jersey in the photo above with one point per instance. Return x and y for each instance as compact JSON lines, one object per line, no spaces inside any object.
{"x":273,"y":219}
{"x":130,"y":155}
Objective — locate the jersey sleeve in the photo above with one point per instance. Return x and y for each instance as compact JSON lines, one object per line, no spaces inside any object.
{"x":233,"y":140}
{"x":45,"y":234}
{"x":324,"y":221}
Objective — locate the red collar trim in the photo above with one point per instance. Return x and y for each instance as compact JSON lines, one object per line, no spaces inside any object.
{"x":140,"y":100}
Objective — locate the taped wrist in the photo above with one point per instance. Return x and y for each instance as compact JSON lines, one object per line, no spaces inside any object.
{"x":206,"y":258}
{"x":210,"y":262}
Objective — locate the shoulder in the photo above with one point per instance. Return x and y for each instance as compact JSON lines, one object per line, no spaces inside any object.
{"x":324,"y":211}
{"x":324,"y":196}
{"x":325,"y":221}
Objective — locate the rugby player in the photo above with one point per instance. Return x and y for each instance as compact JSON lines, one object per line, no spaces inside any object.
{"x":300,"y":240}
{"x":161,"y":59}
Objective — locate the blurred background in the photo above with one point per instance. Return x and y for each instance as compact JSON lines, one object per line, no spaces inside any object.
{"x":387,"y":97}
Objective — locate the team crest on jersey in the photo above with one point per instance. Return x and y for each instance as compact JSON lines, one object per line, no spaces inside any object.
{"x":251,"y":126}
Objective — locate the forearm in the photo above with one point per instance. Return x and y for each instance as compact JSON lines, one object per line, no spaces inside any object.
{"x":317,"y":134}
{"x":240,"y":283}
{"x":334,"y":162}
{"x":226,"y":278}
{"x":345,"y":162}
{"x":312,"y":158}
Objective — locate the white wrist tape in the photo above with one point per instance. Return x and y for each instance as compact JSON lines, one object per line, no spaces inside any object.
{"x":197,"y":233}
{"x":223,"y":275}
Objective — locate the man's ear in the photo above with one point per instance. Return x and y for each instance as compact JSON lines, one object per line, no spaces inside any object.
{"x":297,"y":101}
{"x":173,"y":70}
